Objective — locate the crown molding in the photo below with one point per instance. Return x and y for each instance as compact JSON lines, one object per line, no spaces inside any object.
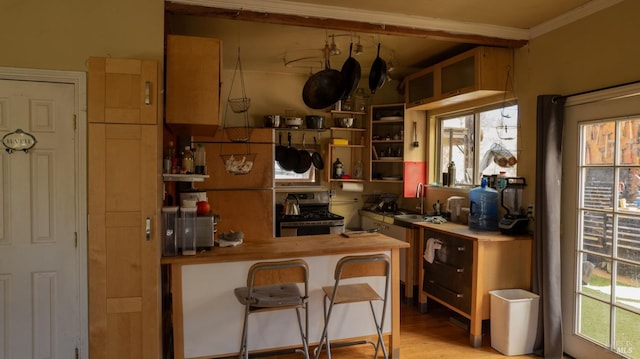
{"x":576,"y":14}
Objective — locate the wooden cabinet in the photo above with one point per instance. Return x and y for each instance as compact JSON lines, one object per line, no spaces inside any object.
{"x":408,"y":268}
{"x":398,"y":146}
{"x":467,"y":266}
{"x":193,"y":84}
{"x":123,"y":204}
{"x":477,"y":73}
{"x":346,"y":144}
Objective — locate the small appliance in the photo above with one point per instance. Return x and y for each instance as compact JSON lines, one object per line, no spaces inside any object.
{"x":515,"y":220}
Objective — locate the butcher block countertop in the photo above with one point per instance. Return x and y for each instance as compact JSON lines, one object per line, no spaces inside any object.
{"x":291,"y":247}
{"x":464,"y":231}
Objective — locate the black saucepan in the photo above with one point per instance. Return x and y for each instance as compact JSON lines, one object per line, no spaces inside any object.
{"x":304,"y":159}
{"x":351,"y":72}
{"x":291,"y":157}
{"x":316,"y":157}
{"x":378,"y":73}
{"x":324,"y":88}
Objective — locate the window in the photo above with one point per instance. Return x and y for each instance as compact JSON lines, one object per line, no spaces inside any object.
{"x":497,"y":139}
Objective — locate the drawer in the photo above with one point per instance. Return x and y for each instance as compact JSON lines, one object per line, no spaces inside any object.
{"x":449,"y":276}
{"x":454,"y":251}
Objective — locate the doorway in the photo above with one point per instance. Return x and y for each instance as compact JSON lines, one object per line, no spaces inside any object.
{"x":43,"y":261}
{"x":600,"y":241}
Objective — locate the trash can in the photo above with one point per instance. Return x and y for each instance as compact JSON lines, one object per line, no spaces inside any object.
{"x":514,"y":321}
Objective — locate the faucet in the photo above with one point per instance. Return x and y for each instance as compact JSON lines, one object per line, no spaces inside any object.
{"x":420,"y":194}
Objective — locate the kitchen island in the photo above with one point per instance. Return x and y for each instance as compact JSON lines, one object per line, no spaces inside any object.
{"x":466,"y":264}
{"x":207,"y":319}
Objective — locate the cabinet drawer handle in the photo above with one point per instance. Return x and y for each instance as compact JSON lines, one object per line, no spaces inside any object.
{"x":457,"y":269}
{"x":147,"y":93}
{"x":148,"y":228}
{"x":456,"y":294}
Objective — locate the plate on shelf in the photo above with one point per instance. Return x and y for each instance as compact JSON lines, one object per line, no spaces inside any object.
{"x":391,"y":158}
{"x":391,"y":118}
{"x":391,"y":178}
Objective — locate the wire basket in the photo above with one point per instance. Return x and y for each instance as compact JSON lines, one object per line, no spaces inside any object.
{"x":239,"y":105}
{"x":238,"y":134}
{"x":238,"y":163}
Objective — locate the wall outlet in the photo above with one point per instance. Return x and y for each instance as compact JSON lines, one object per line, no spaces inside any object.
{"x":530,"y":210}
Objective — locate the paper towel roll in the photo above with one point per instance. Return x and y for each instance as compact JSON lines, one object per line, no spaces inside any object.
{"x":352,"y":187}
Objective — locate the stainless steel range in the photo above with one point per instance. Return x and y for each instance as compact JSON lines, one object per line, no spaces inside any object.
{"x":314,"y":217}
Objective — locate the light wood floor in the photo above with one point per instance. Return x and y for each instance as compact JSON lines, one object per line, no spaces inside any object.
{"x":430,"y":335}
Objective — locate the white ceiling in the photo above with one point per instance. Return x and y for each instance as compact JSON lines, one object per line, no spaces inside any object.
{"x":443,"y":28}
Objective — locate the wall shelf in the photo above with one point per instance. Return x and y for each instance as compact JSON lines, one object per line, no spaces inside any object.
{"x":175,"y":177}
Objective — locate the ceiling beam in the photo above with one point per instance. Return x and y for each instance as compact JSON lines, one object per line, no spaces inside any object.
{"x":338,"y":24}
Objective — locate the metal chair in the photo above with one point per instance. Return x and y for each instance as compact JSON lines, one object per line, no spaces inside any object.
{"x":274,"y":286}
{"x":375,"y":265}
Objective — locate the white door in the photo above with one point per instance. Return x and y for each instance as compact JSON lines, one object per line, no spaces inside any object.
{"x":39,"y":258}
{"x":601,"y":224}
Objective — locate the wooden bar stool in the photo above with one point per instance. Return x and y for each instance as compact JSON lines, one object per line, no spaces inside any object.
{"x":375,"y":265}
{"x":274,"y":286}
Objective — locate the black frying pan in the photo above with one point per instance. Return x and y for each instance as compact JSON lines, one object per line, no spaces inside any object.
{"x":304,"y":159}
{"x":291,"y":157}
{"x":351,"y":72}
{"x":324,"y":88}
{"x":378,"y":73}
{"x":281,"y":151}
{"x":316,"y":157}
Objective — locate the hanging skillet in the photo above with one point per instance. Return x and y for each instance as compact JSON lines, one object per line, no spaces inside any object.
{"x":304,"y":159}
{"x":351,"y":72}
{"x":281,"y":151}
{"x":291,"y":157}
{"x":316,"y":157}
{"x":378,"y":73}
{"x":324,"y":88}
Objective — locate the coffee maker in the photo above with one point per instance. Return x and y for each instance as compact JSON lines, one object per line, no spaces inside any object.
{"x":515,"y":220}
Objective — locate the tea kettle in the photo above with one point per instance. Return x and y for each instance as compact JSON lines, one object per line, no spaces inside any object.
{"x":291,"y":206}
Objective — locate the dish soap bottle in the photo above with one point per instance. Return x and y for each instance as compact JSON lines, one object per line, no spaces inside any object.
{"x":338,"y":170}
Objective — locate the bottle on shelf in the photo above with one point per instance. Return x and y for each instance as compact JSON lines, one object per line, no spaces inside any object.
{"x":167,"y":163}
{"x":338,"y":169}
{"x":187,"y":161}
{"x":357,"y":170}
{"x":200,"y":160}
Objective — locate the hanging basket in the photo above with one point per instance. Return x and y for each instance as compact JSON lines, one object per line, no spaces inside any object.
{"x":238,"y":134}
{"x":238,"y":163}
{"x":239,"y":105}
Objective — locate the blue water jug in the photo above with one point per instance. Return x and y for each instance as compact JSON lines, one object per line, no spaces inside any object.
{"x":483,"y":208}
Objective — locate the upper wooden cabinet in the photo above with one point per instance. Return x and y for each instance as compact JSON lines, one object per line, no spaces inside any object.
{"x":477,"y":73}
{"x":193,"y":84}
{"x":123,"y":91}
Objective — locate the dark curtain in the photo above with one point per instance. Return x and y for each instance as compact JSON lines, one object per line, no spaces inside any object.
{"x":546,"y":245}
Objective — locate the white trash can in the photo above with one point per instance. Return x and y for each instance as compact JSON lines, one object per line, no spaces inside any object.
{"x":514,"y":321}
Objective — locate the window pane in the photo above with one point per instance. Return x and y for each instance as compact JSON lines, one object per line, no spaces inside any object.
{"x":626,"y":333}
{"x":596,"y":279}
{"x":595,"y":319}
{"x":457,"y":146}
{"x":599,"y":143}
{"x":629,"y":239}
{"x":629,"y":188}
{"x":498,"y":141}
{"x":598,"y":188}
{"x":629,"y":139}
{"x":628,"y":287}
{"x":597,"y":232}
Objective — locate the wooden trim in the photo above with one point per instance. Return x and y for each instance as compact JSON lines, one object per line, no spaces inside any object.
{"x":394,"y":338}
{"x":176,"y":300}
{"x":337,"y":24}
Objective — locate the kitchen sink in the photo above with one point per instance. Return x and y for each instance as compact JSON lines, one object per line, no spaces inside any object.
{"x":405,"y":220}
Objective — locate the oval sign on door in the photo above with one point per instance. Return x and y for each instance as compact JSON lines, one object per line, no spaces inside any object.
{"x":18,"y":140}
